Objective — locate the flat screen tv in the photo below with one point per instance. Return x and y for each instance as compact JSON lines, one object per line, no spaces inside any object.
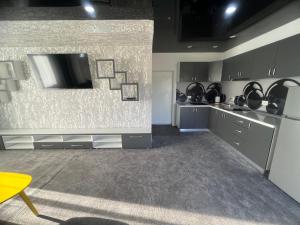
{"x":67,"y":71}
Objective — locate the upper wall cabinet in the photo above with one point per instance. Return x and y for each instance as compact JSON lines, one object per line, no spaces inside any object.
{"x":287,"y":61}
{"x":193,"y":71}
{"x":263,"y":61}
{"x":237,"y":68}
{"x":280,"y":59}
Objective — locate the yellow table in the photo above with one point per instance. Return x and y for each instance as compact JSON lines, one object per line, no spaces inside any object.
{"x":12,"y":184}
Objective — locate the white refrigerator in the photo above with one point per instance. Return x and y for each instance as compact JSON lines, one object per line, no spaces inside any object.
{"x":285,"y":167}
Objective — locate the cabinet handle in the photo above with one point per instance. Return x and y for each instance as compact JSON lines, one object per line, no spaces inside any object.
{"x":241,"y":121}
{"x":269,"y":74}
{"x":236,"y":143}
{"x":46,"y":145}
{"x":76,"y":145}
{"x":274,"y":71}
{"x":196,"y":110}
{"x":239,"y":131}
{"x":249,"y":125}
{"x":136,"y":136}
{"x":195,"y":78}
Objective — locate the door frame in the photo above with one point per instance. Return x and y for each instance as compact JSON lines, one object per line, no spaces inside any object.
{"x":173,"y":116}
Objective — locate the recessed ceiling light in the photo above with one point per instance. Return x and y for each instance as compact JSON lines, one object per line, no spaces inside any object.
{"x":189,"y":46}
{"x":215,"y":46}
{"x":232,"y":36}
{"x":231,"y":9}
{"x":89,"y":9}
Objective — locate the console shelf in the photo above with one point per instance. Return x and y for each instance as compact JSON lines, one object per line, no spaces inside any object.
{"x":107,"y":145}
{"x":19,"y":146}
{"x":71,"y":139}
{"x":107,"y":138}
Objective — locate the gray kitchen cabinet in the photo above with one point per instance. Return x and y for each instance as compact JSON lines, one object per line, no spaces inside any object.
{"x":213,"y":120}
{"x":194,"y":117}
{"x":237,"y":68}
{"x":244,"y":66}
{"x":228,"y":70}
{"x":220,"y":123}
{"x":225,"y":125}
{"x":193,"y":71}
{"x":287,"y":61}
{"x":263,"y":61}
{"x":251,"y":139}
{"x":276,"y":60}
{"x":258,"y":143}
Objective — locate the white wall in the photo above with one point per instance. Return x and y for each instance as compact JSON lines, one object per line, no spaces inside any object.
{"x":35,"y":107}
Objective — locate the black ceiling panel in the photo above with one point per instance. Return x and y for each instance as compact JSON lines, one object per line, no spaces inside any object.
{"x":218,"y":19}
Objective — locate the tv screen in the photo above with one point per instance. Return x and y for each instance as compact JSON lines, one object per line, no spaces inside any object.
{"x":62,"y":70}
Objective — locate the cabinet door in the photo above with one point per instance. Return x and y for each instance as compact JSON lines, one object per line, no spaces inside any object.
{"x":258,"y":144}
{"x":202,"y":116}
{"x":225,"y":126}
{"x":230,"y":69}
{"x":287,"y":62}
{"x":263,"y":61}
{"x":226,"y":70}
{"x":193,"y":71}
{"x":187,"y":118}
{"x":244,"y":65}
{"x":213,"y":120}
{"x":186,"y":72}
{"x":200,"y":71}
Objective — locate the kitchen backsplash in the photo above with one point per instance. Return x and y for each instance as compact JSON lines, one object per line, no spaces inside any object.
{"x":235,"y":88}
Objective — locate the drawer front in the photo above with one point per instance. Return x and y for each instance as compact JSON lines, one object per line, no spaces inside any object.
{"x":48,"y":145}
{"x":78,"y":145}
{"x":134,"y":141}
{"x":242,"y":122}
{"x":239,"y":131}
{"x":237,"y":143}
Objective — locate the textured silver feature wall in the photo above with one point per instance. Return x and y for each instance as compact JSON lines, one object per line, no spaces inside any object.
{"x":128,"y":42}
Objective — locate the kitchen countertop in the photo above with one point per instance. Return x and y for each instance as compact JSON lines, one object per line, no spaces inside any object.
{"x":262,"y":118}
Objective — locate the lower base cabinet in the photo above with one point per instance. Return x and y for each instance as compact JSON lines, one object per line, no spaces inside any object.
{"x":194,"y":117}
{"x":251,"y":139}
{"x":135,"y":141}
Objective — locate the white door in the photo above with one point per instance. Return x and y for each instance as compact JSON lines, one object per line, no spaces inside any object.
{"x":162,"y":89}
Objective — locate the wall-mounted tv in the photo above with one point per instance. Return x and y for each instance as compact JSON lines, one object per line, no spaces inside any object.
{"x":67,"y":71}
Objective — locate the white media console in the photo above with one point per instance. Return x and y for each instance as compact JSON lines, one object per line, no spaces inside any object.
{"x":75,"y":138}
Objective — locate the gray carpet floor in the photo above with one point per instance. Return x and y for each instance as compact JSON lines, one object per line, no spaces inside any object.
{"x":183,"y":180}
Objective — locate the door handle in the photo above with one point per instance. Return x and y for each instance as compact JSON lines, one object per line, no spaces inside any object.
{"x":239,"y":131}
